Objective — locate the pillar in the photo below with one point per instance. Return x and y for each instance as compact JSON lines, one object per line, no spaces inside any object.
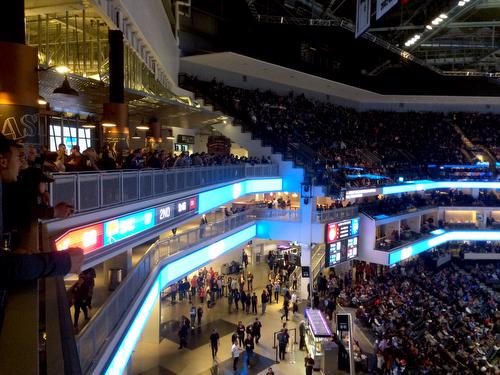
{"x":151,"y":332}
{"x":18,"y":77}
{"x":306,"y":211}
{"x":122,"y":261}
{"x":116,"y":111}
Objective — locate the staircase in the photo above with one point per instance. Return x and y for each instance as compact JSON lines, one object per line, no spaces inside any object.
{"x":473,"y":151}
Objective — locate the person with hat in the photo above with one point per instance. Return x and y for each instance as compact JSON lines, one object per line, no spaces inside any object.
{"x":14,"y":267}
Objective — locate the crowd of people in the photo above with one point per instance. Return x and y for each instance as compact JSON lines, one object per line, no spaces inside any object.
{"x":90,"y":160}
{"x":346,"y":137}
{"x":392,"y":204}
{"x":430,"y":322}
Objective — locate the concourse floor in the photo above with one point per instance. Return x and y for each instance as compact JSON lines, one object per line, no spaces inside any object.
{"x":165,"y":358}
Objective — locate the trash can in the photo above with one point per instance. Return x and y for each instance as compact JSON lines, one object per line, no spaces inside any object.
{"x":115,"y":276}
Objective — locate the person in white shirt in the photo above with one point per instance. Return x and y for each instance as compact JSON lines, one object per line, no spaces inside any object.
{"x":235,"y":351}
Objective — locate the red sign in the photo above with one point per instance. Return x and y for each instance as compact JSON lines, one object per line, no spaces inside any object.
{"x":88,"y":238}
{"x":332,"y":232}
{"x":192,"y":204}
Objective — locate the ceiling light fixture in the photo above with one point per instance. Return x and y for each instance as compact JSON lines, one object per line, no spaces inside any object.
{"x":65,"y":88}
{"x":136,"y":136}
{"x":41,"y":100}
{"x":142,"y":126}
{"x":89,"y":124}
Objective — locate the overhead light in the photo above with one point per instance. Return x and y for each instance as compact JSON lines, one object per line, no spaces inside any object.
{"x":62,"y":69}
{"x":108,"y":124}
{"x":142,"y":126}
{"x":41,"y":100}
{"x":461,"y":3}
{"x":89,"y":124}
{"x":443,"y":16}
{"x":170,"y":134}
{"x":136,"y":136}
{"x":428,"y":27}
{"x":65,"y":88}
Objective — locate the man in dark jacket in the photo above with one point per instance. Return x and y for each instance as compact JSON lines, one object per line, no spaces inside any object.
{"x":15,"y":268}
{"x":257,"y":325}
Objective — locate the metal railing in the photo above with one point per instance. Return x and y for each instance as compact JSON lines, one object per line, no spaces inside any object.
{"x":335,"y":214}
{"x":272,"y":214}
{"x":102,"y":326}
{"x":94,"y":190}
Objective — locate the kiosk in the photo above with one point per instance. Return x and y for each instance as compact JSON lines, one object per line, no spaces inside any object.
{"x":318,"y":338}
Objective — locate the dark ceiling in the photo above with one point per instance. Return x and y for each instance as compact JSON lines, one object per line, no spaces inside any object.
{"x":457,"y":57}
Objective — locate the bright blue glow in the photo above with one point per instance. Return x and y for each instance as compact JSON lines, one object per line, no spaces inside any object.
{"x":411,"y":186}
{"x":211,"y":199}
{"x":187,"y":264}
{"x":462,"y":235}
{"x":117,"y":229}
{"x":381,"y":216}
{"x":355,"y":226}
{"x":438,"y":231}
{"x":122,"y":355}
{"x":168,"y":274}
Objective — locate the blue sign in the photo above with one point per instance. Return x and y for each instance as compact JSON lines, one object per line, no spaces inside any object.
{"x":117,"y":229}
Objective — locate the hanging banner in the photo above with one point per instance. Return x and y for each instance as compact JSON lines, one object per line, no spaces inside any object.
{"x":362,"y":17}
{"x":383,"y":6}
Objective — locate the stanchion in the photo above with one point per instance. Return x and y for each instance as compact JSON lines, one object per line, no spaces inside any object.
{"x":277,"y":355}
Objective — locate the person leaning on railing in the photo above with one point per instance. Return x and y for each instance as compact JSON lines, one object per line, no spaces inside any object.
{"x":16,"y":268}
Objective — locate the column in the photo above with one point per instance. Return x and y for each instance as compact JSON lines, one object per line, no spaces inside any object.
{"x":305,"y":235}
{"x":18,"y":77}
{"x":121,"y":261}
{"x":475,"y":193}
{"x":116,"y":111}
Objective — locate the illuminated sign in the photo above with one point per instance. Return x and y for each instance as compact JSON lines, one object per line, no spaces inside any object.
{"x":420,"y":246}
{"x":182,"y":207}
{"x":126,"y":226}
{"x":211,"y":199}
{"x":88,"y":238}
{"x":341,"y":241}
{"x":165,"y":213}
{"x":168,"y":274}
{"x":341,"y":230}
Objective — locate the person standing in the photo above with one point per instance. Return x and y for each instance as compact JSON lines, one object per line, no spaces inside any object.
{"x":183,"y":331}
{"x":240,"y":329}
{"x":235,"y":352}
{"x":257,"y":325}
{"x":294,"y":281}
{"x":236,"y":297}
{"x":199,"y":312}
{"x":249,"y":346}
{"x":276,"y":291}
{"x":209,"y":297}
{"x":192,"y":315}
{"x":244,"y":259}
{"x":254,"y":303}
{"x":249,"y":281}
{"x":282,"y":343}
{"x":302,"y":333}
{"x":249,"y":302}
{"x":286,"y":308}
{"x":263,"y":301}
{"x":295,"y":305}
{"x":269,"y":288}
{"x":309,"y":363}
{"x":214,"y":342}
{"x":90,"y":277}
{"x":80,"y":293}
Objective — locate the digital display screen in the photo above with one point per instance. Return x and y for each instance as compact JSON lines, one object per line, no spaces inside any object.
{"x":340,"y":230}
{"x":341,"y":241}
{"x":88,"y":238}
{"x":126,"y":226}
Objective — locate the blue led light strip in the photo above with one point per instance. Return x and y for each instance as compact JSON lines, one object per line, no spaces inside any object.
{"x":412,"y":186}
{"x":169,"y":273}
{"x":211,"y":199}
{"x":442,"y":237}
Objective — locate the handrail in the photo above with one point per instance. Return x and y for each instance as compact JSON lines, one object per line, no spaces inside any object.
{"x":88,"y":191}
{"x":96,"y":333}
{"x":335,"y":214}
